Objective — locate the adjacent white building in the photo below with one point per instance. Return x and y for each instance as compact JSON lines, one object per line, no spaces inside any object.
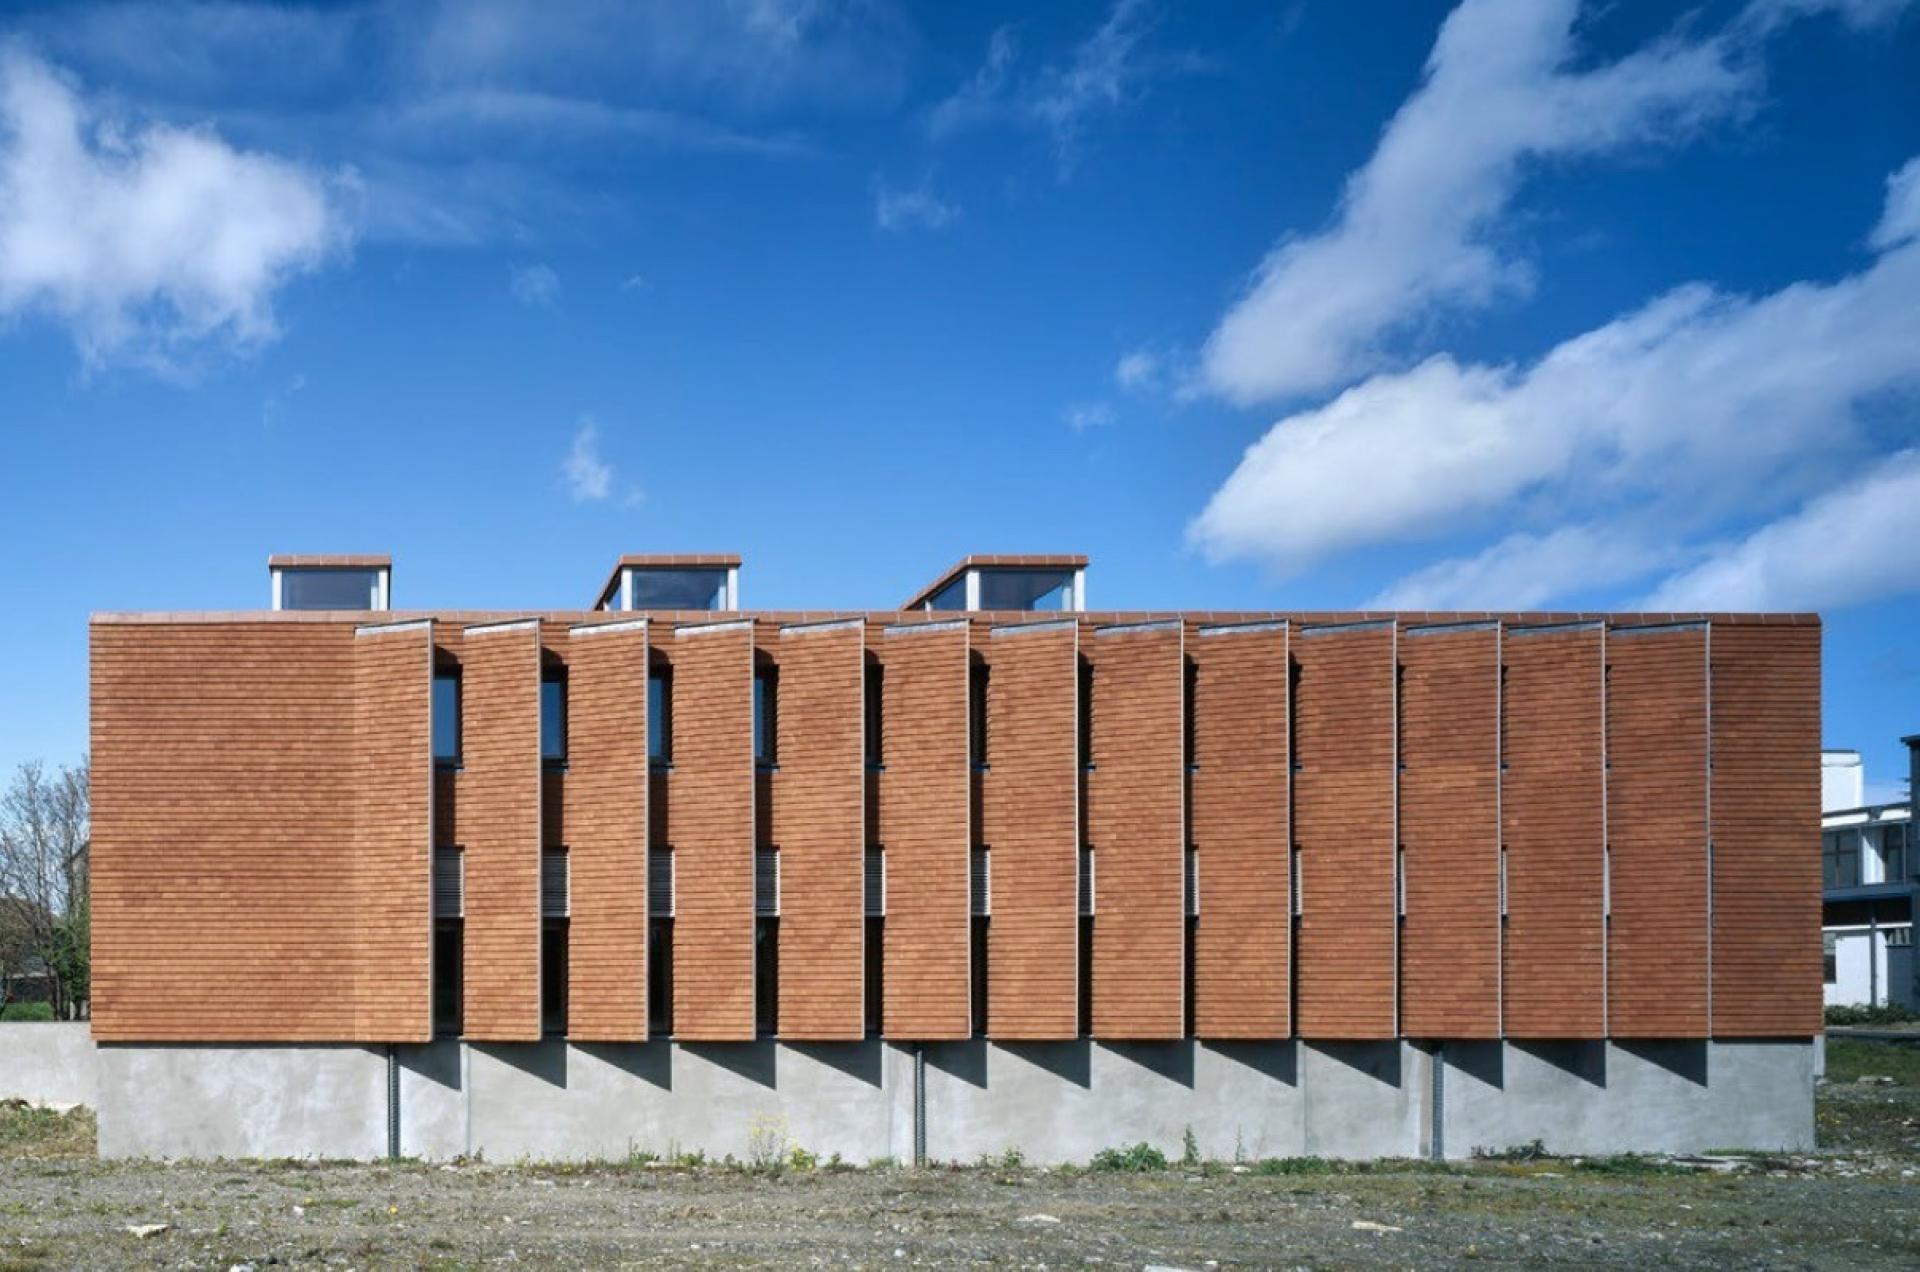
{"x":1870,"y":873}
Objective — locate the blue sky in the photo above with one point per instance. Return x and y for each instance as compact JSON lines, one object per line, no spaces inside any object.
{"x":1516,"y":303}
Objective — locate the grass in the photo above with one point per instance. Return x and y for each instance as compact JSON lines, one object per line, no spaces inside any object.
{"x":1888,"y":1014}
{"x":1851,"y":1058}
{"x":30,"y":1133}
{"x":26,"y":1011}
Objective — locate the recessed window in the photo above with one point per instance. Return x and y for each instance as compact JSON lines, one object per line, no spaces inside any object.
{"x":329,"y":589}
{"x":977,"y":713}
{"x":553,"y":717}
{"x":1830,"y":958}
{"x":1026,"y":590}
{"x":1840,"y":858}
{"x":446,"y":719}
{"x":660,"y":717}
{"x":876,"y":692}
{"x":678,"y":588}
{"x":766,"y":716}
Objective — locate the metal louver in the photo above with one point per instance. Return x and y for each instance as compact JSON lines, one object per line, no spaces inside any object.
{"x":980,"y":883}
{"x":449,"y":883}
{"x":876,"y":883}
{"x":660,"y":883}
{"x":1086,"y":882}
{"x":766,"y":882}
{"x":555,"y":886}
{"x":1192,"y":883}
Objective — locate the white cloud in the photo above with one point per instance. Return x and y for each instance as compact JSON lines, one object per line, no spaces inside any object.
{"x":1525,"y":571}
{"x":1663,"y":425}
{"x":1061,"y":100}
{"x":897,"y":210}
{"x":1417,"y":234}
{"x":1081,"y":416}
{"x":588,"y":477}
{"x":1853,"y":543}
{"x":535,"y":285}
{"x":1137,"y":371}
{"x":149,"y":243}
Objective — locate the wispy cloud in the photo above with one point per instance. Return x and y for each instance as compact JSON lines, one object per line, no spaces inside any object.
{"x":1081,"y":416}
{"x":1062,"y":100}
{"x":1672,"y":424}
{"x":1506,"y":88}
{"x":1139,"y":370}
{"x":897,"y":209}
{"x":534,"y":285}
{"x":588,"y":477}
{"x":149,"y":243}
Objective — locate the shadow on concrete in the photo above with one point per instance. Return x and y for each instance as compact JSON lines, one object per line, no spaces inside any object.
{"x":1072,"y":1060}
{"x":1584,"y":1060}
{"x":751,"y":1060}
{"x":545,"y":1060}
{"x":1682,"y":1057}
{"x":860,"y":1060}
{"x":1171,"y":1060}
{"x":437,"y":1062}
{"x":651,"y":1062}
{"x":1483,"y":1061}
{"x":966,"y":1061}
{"x":1380,"y":1060}
{"x":1277,"y":1060}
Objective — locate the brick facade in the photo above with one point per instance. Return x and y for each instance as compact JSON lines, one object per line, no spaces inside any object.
{"x":265,"y":800}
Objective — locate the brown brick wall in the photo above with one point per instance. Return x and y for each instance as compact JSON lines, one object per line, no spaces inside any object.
{"x":710,"y":825}
{"x":1032,"y":797}
{"x":499,"y":817}
{"x":1239,"y":829}
{"x":1136,"y":798}
{"x":819,"y":823}
{"x":1343,"y":819}
{"x":606,"y":833}
{"x":1657,"y":833}
{"x":923,"y":798}
{"x":1553,"y":805}
{"x":1450,"y":831}
{"x":393,"y":831}
{"x":1766,"y":821}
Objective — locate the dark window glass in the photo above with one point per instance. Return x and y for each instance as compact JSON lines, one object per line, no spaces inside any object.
{"x":1026,"y":589}
{"x":1829,"y":958}
{"x":876,"y":975}
{"x":449,"y":948}
{"x":977,"y":714}
{"x":876,"y":693}
{"x":660,"y":717}
{"x":1192,"y":692}
{"x":1193,"y":934}
{"x":766,"y":976}
{"x":553,"y":717}
{"x":980,"y":945}
{"x":1086,"y":976}
{"x":553,"y":976}
{"x":327,"y":589}
{"x":678,"y":589}
{"x":1086,"y":714}
{"x":766,"y":716}
{"x":1840,"y":858}
{"x":951,"y":597}
{"x":660,"y":977}
{"x":446,"y":717}
{"x":1893,"y":849}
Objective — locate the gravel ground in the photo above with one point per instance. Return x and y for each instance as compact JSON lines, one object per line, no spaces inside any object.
{"x":1855,"y":1204}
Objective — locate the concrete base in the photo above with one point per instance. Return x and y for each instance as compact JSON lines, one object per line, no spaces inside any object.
{"x":44,"y":1062}
{"x":1054,"y":1102}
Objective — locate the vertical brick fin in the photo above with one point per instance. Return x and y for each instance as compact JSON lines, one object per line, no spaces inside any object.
{"x":1766,"y":821}
{"x":819,"y":822}
{"x":1553,"y":809}
{"x":1450,"y":831}
{"x":925,"y":812}
{"x":1343,"y":817}
{"x":1033,"y":811}
{"x":1240,"y":832}
{"x":606,"y":828}
{"x":710,"y":819}
{"x":1657,"y":832}
{"x":1136,"y":819}
{"x":238,"y":926}
{"x":500,"y":789}
{"x":393,"y":831}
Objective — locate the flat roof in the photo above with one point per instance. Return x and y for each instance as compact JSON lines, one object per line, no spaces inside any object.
{"x":330,"y":560}
{"x":666,"y":561}
{"x":989,"y":560}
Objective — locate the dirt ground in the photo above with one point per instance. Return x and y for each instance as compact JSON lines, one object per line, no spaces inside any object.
{"x":1856,"y":1203}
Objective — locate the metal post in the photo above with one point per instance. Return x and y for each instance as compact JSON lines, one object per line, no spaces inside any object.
{"x":393,"y":1101}
{"x":919,"y":1104}
{"x":1438,"y":1144}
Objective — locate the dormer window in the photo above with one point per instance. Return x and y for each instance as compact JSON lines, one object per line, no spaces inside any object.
{"x":331,"y":582}
{"x":691,"y":582}
{"x":1008,"y":583}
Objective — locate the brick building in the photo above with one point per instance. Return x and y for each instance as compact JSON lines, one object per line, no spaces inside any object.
{"x":1360,"y":883}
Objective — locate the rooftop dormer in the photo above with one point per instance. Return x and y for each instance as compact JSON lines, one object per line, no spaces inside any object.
{"x":1024,"y":582}
{"x":673,"y":581}
{"x":331,"y":582}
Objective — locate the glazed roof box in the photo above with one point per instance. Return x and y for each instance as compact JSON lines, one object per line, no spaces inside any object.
{"x":673,"y":581}
{"x":338,"y":581}
{"x":1032,"y":581}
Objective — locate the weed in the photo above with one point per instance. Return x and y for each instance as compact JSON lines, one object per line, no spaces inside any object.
{"x":766,"y":1144}
{"x":1138,"y":1158}
{"x":1529,"y":1152}
{"x":800,"y":1159}
{"x":1292,"y":1166}
{"x":1189,"y":1148}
